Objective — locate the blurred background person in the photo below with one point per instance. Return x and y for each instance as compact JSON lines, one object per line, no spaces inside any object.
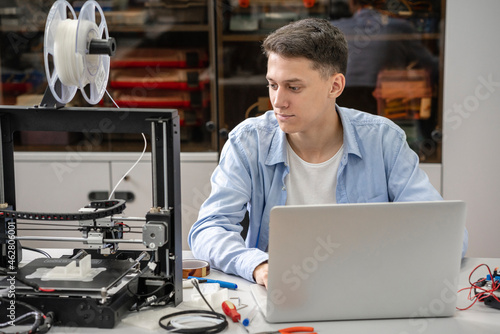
{"x":378,"y":41}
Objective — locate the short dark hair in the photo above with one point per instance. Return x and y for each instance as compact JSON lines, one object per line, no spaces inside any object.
{"x":315,"y":39}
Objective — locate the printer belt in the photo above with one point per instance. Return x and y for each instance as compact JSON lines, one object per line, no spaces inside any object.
{"x":104,"y":208}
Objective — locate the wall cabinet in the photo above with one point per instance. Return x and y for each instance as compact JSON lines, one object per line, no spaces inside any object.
{"x":58,"y":182}
{"x":394,"y":70}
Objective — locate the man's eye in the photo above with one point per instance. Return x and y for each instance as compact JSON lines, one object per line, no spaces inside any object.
{"x":293,"y":88}
{"x":272,"y":86}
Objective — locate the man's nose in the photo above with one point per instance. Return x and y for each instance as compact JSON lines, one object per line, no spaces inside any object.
{"x":279,"y":98}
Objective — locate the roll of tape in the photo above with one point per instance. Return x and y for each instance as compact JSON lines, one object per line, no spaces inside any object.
{"x":193,"y":267}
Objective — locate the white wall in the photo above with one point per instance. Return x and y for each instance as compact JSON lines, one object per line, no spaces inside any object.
{"x":434,"y":172}
{"x":471,"y":123}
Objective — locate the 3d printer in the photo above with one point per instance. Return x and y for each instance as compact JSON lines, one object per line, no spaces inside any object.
{"x":99,"y":301}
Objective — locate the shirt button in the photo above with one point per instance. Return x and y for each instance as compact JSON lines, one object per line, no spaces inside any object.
{"x":284,"y":188}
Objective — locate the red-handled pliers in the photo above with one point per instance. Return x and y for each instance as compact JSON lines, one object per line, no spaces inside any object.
{"x":291,"y":330}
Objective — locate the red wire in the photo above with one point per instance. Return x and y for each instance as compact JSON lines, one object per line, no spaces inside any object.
{"x":481,"y":296}
{"x":123,"y":224}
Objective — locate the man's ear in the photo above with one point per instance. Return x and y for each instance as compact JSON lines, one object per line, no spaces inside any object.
{"x":338,"y":85}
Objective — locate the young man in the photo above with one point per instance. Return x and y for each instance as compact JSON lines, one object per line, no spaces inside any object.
{"x":306,"y":150}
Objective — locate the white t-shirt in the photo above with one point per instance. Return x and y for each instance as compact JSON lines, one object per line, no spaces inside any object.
{"x":309,"y":183}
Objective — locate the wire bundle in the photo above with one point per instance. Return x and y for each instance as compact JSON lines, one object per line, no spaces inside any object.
{"x":42,"y":323}
{"x":481,"y":290}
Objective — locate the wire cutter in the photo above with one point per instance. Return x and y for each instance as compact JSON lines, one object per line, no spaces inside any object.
{"x":291,"y":330}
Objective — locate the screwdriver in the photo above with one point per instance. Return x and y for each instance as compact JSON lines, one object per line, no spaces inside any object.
{"x":230,"y":310}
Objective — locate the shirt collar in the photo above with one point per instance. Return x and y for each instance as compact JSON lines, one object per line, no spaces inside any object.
{"x":350,"y":143}
{"x":277,"y":150}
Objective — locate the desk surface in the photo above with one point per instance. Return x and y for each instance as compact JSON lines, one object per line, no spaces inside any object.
{"x":478,"y":319}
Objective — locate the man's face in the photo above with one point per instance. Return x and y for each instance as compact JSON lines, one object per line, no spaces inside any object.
{"x":302,"y":99}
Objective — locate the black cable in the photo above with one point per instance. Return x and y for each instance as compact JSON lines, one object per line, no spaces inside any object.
{"x":149,"y":294}
{"x":200,"y":330}
{"x":217,"y":328}
{"x":196,"y":284}
{"x":34,"y":286}
{"x":115,"y":245}
{"x":138,"y":307}
{"x":162,"y":301}
{"x":38,"y":326}
{"x":46,"y":229}
{"x":124,"y":225}
{"x":153,"y":302}
{"x":18,"y":319}
{"x":103,"y":208}
{"x":45,"y":224}
{"x":47,"y":324}
{"x":38,"y":251}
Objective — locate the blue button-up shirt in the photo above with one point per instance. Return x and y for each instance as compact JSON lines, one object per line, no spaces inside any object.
{"x":377,"y":166}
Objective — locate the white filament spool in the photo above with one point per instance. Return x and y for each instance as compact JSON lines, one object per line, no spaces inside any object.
{"x":96,"y":67}
{"x":68,"y":40}
{"x":57,"y":14}
{"x":68,"y":63}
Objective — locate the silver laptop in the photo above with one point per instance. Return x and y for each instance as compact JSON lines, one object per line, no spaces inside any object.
{"x":363,"y":261}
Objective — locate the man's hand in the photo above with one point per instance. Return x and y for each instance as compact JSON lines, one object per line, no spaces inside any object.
{"x":260,"y":274}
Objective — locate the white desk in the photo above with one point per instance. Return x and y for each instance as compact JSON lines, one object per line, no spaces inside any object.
{"x":478,"y":319}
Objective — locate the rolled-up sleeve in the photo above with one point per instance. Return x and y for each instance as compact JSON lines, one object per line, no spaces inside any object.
{"x":216,"y":235}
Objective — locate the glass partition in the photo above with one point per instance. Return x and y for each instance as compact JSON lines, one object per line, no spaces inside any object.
{"x":394,"y":69}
